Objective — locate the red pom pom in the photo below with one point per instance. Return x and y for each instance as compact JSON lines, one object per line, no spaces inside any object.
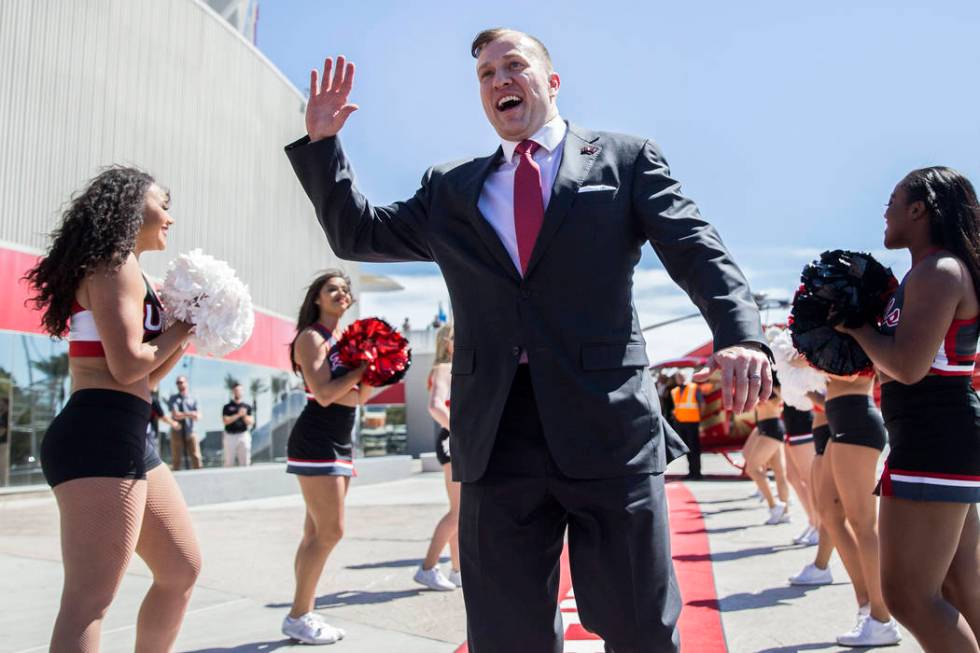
{"x":374,"y":341}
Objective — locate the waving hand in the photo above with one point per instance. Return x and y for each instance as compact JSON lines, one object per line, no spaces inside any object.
{"x":328,"y":109}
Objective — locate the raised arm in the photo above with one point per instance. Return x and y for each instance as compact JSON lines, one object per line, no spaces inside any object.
{"x":116,"y":298}
{"x":695,"y":258}
{"x":356,"y":230}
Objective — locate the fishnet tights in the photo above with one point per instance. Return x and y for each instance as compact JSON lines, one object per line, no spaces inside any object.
{"x":103,"y":521}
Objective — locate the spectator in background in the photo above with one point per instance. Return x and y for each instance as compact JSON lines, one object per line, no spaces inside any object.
{"x":687,"y":401}
{"x":237,"y":440}
{"x":406,"y":326}
{"x":153,"y":428}
{"x":183,"y":437}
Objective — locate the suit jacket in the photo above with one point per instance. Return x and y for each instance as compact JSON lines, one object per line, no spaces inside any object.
{"x":573,"y":312}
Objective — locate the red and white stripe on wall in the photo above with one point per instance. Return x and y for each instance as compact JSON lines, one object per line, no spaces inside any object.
{"x":268,"y":345}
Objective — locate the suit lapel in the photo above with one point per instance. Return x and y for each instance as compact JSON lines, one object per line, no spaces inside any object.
{"x":471,"y":197}
{"x":577,"y":158}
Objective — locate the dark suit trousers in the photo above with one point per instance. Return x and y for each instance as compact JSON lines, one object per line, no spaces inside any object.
{"x":690,"y":433}
{"x":511,"y":531}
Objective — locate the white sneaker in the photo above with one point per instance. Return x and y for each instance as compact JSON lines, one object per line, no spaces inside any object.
{"x":802,"y":537}
{"x":778,"y":514}
{"x":433,"y":579}
{"x":756,"y":495}
{"x":814,"y":538}
{"x":456,"y":578}
{"x":311,"y":629}
{"x":812,"y":575}
{"x":871,"y":632}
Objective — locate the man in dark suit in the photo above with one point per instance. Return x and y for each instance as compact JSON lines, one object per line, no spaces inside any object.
{"x":555,"y":419}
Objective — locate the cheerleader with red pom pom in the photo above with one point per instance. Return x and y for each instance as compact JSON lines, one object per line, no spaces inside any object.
{"x":319,"y":450}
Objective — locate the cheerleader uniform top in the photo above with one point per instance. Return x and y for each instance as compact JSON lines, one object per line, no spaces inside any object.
{"x":958,"y":350}
{"x":83,"y":335}
{"x":337,"y":369}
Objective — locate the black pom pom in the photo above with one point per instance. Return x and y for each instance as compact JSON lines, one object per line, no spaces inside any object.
{"x":842,"y":287}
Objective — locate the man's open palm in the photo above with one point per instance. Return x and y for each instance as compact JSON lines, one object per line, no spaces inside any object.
{"x":327,"y":109}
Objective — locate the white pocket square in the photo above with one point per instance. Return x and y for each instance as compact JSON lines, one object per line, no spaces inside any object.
{"x":593,"y":189}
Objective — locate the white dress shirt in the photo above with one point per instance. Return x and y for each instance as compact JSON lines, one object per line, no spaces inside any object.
{"x":497,"y":196}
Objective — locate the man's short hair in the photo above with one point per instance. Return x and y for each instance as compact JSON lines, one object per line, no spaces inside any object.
{"x":490,"y":35}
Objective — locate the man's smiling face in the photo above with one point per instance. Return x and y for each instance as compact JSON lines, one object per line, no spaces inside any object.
{"x":517,"y":88}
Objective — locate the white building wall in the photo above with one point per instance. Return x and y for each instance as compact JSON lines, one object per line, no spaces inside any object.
{"x":169,"y":86}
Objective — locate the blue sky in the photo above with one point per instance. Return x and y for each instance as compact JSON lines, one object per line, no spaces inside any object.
{"x":787,"y":124}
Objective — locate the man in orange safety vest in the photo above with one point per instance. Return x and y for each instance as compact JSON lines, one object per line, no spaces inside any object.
{"x":687,"y":401}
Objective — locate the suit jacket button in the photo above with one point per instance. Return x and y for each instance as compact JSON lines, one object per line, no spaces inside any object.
{"x":525,"y":293}
{"x":516,"y":351}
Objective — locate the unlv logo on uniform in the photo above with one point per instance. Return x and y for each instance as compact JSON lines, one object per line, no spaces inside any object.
{"x":152,"y":318}
{"x":892,"y":314}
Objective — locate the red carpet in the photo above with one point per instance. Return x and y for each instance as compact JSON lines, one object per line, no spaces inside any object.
{"x":700,"y":624}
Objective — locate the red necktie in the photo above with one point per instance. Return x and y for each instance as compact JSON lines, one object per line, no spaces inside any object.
{"x":528,"y":203}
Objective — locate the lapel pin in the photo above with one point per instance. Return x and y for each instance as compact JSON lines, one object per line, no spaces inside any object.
{"x":589,"y":150}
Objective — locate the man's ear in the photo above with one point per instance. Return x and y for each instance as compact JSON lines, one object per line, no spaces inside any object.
{"x":554,"y":83}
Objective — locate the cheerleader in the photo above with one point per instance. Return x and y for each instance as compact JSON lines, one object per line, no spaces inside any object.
{"x":799,"y":459}
{"x":428,"y":573}
{"x":114,"y":495}
{"x":930,"y":533}
{"x":319,"y":450}
{"x":764,"y":446}
{"x":857,"y":438}
{"x":818,"y":572}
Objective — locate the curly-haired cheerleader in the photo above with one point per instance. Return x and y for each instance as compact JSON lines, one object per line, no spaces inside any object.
{"x":114,"y":495}
{"x":930,"y":533}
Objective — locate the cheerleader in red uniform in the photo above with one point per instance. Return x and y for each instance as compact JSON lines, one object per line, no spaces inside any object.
{"x":930,"y":533}
{"x":319,"y":450}
{"x":428,"y":573}
{"x":114,"y":495}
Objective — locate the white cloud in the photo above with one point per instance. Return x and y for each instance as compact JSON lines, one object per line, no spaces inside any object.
{"x":419,"y":301}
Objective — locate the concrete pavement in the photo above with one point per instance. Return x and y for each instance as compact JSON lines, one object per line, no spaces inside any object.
{"x":367,"y":588}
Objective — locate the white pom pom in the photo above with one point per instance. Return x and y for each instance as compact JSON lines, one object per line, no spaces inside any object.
{"x":204,"y":291}
{"x":796,"y":376}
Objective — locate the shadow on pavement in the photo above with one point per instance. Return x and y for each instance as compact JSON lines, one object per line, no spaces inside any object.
{"x":765,"y":599}
{"x":255,"y":647}
{"x":815,"y":646}
{"x":393,"y":564}
{"x":716,"y":531}
{"x":725,"y":556}
{"x":354,"y":598}
{"x":708,"y":513}
{"x":710,"y":502}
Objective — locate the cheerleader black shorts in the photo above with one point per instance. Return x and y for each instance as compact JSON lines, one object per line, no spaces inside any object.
{"x":934,"y":435}
{"x":854,"y":419}
{"x":821,"y":436}
{"x":442,"y":447}
{"x":799,"y":426}
{"x":99,"y":433}
{"x":772,"y":428}
{"x":320,"y":442}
